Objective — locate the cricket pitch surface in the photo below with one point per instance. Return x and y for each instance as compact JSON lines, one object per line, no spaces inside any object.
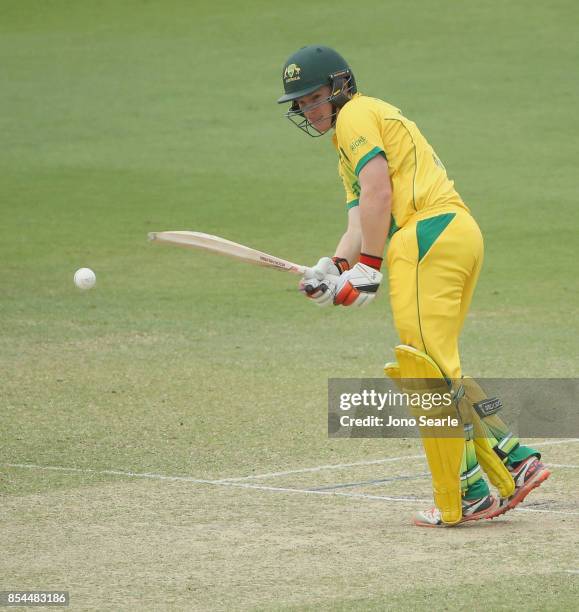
{"x":331,"y":536}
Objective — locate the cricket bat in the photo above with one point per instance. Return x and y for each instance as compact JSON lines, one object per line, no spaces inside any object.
{"x":221,"y":246}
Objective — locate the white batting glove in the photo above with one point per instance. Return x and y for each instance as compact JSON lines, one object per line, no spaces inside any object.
{"x":358,"y":286}
{"x":319,"y":283}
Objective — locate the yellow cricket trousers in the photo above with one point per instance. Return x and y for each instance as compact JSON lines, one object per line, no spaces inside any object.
{"x":433,"y":267}
{"x":434,"y":263}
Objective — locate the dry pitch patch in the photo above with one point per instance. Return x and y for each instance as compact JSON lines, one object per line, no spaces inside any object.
{"x":341,"y":539}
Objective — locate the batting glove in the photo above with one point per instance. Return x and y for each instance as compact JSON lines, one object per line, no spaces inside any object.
{"x":319,"y":283}
{"x":358,"y":286}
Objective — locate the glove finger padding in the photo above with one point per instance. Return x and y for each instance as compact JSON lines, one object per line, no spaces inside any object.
{"x":347,"y":295}
{"x":350,"y":296}
{"x":321,"y":292}
{"x":319,"y":282}
{"x":324,"y":267}
{"x":358,"y":286}
{"x":312,"y":274}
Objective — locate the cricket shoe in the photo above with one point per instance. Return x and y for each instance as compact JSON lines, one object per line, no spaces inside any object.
{"x":472,"y":510}
{"x":528,"y":475}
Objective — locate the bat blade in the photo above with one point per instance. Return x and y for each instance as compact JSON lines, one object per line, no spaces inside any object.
{"x":222,"y":246}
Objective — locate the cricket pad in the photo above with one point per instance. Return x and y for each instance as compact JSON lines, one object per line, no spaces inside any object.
{"x":416,"y":372}
{"x":484,"y":442}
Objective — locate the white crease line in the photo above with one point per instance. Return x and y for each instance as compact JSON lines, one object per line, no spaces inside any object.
{"x":555,"y":442}
{"x":319,"y":468}
{"x":209,"y":482}
{"x":572,"y":571}
{"x":545,"y":511}
{"x":244,"y":485}
{"x":562,"y":465}
{"x":339,"y":466}
{"x":53,"y":468}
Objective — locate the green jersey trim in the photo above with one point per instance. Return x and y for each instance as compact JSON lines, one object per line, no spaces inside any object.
{"x":428,"y":230}
{"x":352,"y":204}
{"x":370,"y":155}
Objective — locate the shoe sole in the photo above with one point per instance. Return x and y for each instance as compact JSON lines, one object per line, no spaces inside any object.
{"x":483,"y":514}
{"x":536,"y":481}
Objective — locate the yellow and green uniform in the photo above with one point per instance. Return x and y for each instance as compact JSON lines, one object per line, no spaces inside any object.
{"x":367,"y":127}
{"x":436,"y":249}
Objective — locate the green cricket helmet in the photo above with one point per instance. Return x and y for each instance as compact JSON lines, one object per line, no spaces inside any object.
{"x":310,"y":68}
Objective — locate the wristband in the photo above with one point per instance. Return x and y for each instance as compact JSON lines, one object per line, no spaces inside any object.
{"x":371,"y":260}
{"x":341,"y":263}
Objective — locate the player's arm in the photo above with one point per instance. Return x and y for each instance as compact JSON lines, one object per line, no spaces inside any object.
{"x":369,"y":222}
{"x":368,"y":217}
{"x":375,"y":206}
{"x":359,"y":285}
{"x":351,"y":242}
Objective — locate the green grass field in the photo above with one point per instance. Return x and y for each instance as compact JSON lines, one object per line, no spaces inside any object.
{"x":144,"y":423}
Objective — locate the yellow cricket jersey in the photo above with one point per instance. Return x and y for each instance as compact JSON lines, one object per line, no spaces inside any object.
{"x":367,"y":127}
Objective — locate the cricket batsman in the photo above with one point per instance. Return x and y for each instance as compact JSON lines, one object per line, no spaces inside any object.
{"x":397,"y":189}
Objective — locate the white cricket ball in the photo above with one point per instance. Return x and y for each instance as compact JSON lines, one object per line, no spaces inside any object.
{"x":84,"y":278}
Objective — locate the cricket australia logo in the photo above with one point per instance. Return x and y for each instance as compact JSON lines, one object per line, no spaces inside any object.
{"x":291,"y":73}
